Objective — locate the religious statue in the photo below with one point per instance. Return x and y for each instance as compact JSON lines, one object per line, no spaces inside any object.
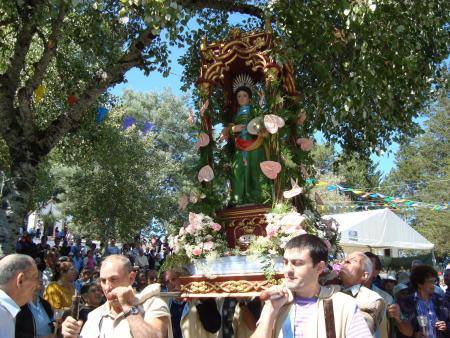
{"x":246,"y":177}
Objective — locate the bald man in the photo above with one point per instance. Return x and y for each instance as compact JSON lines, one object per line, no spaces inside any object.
{"x":19,"y":278}
{"x":356,"y":270}
{"x":120,"y":316}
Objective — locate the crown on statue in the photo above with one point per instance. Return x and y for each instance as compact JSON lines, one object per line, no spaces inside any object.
{"x":243,"y":80}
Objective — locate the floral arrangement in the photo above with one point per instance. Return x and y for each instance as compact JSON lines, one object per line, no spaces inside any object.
{"x":283,"y":224}
{"x":201,"y":237}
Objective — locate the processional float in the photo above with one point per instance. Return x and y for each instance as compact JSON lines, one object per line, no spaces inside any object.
{"x":252,"y":96}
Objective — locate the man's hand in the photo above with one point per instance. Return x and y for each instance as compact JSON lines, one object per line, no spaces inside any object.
{"x":71,"y":328}
{"x":124,"y":295}
{"x":394,"y":311}
{"x":441,"y":325}
{"x":275,"y":297}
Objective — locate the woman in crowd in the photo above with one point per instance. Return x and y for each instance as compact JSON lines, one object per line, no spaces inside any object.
{"x":59,"y":292}
{"x":89,"y":261}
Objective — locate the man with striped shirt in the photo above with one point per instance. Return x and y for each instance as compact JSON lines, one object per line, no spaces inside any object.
{"x":302,"y":308}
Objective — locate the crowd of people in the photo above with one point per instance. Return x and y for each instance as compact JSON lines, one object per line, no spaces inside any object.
{"x":120,"y":289}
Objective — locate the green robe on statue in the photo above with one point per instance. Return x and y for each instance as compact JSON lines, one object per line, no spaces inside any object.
{"x":247,"y":176}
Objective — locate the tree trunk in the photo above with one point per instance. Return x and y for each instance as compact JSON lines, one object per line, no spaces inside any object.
{"x":15,"y":198}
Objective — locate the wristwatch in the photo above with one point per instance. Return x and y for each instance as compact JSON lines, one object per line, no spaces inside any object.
{"x":131,"y":311}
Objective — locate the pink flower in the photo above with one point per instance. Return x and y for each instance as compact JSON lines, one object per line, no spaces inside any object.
{"x":203,"y":140}
{"x":337,"y":267}
{"x":195,"y":221}
{"x":216,"y":226}
{"x":191,"y":229}
{"x":208,"y":246}
{"x":194,"y":218}
{"x":270,"y":168}
{"x":197,"y":251}
{"x":271,"y":230}
{"x":206,"y":174}
{"x":272,"y":122}
{"x":182,"y":231}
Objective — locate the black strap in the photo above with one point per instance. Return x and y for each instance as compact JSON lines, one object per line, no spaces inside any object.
{"x":329,"y":318}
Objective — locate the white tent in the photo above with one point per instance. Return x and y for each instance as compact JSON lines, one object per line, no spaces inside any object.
{"x":377,"y":229}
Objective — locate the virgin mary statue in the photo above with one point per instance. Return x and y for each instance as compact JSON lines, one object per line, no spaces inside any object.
{"x":247,"y":178}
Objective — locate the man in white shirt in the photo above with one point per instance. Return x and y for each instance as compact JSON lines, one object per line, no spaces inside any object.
{"x":19,"y":278}
{"x":384,"y":328}
{"x":121,"y":316}
{"x":141,"y":260}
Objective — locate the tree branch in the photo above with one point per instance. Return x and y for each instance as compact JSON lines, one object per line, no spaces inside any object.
{"x":7,"y":22}
{"x":25,"y":93}
{"x":10,"y":79}
{"x":224,"y":5}
{"x":49,"y":48}
{"x":71,"y":120}
{"x":114,"y":74}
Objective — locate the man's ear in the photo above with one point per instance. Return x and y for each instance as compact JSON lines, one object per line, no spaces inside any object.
{"x":320,"y":267}
{"x":132,"y":277}
{"x":20,"y":279}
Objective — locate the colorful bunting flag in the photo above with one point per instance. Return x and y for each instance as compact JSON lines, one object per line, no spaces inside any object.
{"x":128,"y":121}
{"x":101,"y":114}
{"x":388,"y":201}
{"x":72,"y":100}
{"x":148,"y":126}
{"x":39,"y":93}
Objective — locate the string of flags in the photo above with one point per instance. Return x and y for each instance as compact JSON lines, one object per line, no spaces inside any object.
{"x":129,"y":121}
{"x":374,"y":199}
{"x":101,"y":114}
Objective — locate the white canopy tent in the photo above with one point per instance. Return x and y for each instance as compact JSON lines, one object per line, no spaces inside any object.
{"x":380,"y":229}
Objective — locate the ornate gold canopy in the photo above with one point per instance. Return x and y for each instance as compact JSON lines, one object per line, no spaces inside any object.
{"x":247,"y":53}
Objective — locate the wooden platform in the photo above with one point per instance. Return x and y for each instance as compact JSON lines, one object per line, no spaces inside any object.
{"x":228,"y":285}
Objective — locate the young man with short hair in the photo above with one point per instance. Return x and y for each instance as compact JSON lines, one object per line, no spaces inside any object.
{"x":304,"y":308}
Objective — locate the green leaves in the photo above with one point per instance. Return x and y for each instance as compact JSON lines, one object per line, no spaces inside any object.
{"x":383,"y":58}
{"x":423,"y":174}
{"x":114,"y":182}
